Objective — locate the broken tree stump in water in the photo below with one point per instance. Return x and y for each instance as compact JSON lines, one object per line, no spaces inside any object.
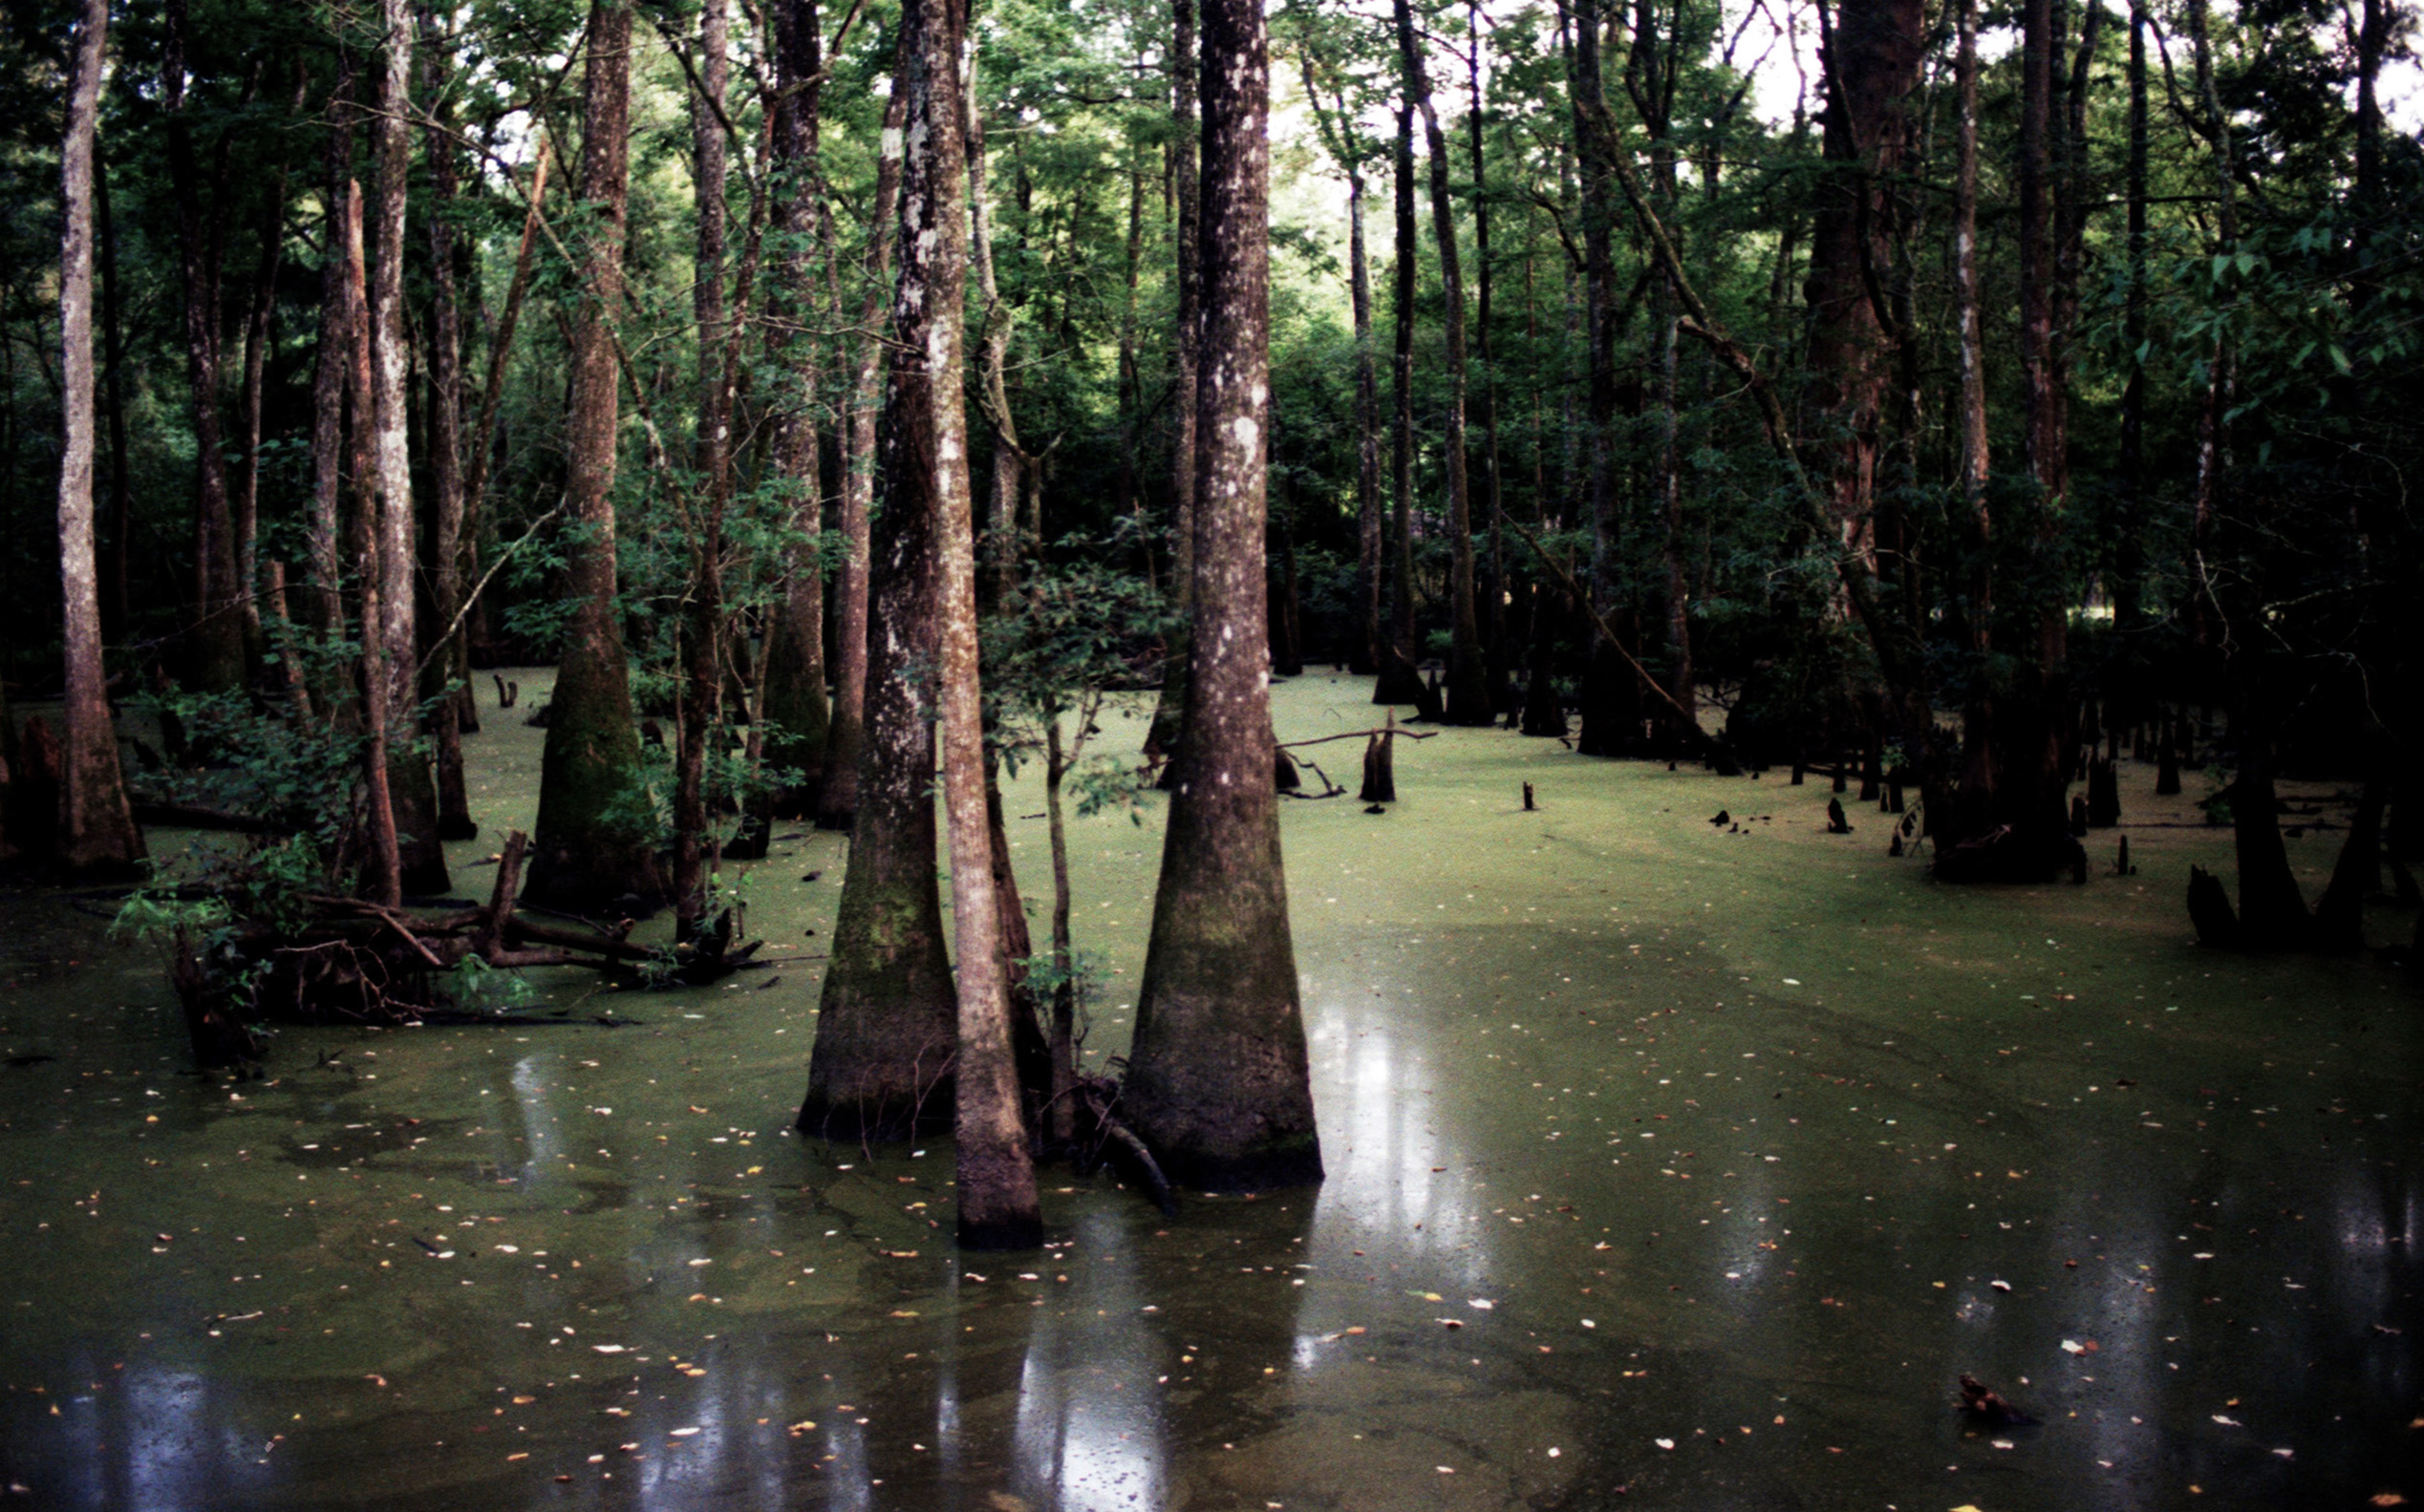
{"x":2209,"y":909}
{"x":1379,"y":769}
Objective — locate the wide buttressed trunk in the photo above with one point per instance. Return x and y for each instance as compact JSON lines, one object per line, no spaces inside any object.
{"x":96,"y":831}
{"x":1218,"y":1082}
{"x":586,"y":857}
{"x":888,"y":1024}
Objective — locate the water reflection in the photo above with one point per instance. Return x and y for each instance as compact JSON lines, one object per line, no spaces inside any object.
{"x":1755,"y":1284}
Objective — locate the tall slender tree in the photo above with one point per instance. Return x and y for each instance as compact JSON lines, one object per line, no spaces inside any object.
{"x":845,"y":736}
{"x":96,"y":830}
{"x":215,"y":646}
{"x":445,"y":681}
{"x":927,"y":470}
{"x":1218,"y":1082}
{"x":1338,"y":132}
{"x":586,"y":857}
{"x":1399,"y":681}
{"x":412,"y":787}
{"x":1169,"y":715}
{"x":703,"y":627}
{"x":1468,"y":681}
{"x":795,"y":697}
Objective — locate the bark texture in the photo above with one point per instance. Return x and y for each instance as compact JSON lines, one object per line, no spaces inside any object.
{"x":412,"y":787}
{"x":929,"y":475}
{"x":887,"y":1025}
{"x":1218,"y":1083}
{"x":97,"y":832}
{"x":584,"y":859}
{"x":846,"y":735}
{"x":1468,"y":681}
{"x":795,"y":698}
{"x":1170,"y":714}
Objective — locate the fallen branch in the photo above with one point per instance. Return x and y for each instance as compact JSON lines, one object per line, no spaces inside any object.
{"x":1402,"y":731}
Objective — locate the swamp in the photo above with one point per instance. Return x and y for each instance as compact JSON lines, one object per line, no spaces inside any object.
{"x":1662,"y":1161}
{"x":1229,"y":756}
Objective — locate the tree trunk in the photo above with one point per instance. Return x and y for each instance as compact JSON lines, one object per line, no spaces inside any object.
{"x":411,"y":785}
{"x":1609,"y":726}
{"x":113,"y":607}
{"x":1367,"y":652}
{"x":384,"y":879}
{"x":2128,"y":555}
{"x":1498,"y":656}
{"x":2032,"y":724}
{"x":795,"y":696}
{"x":245,"y":520}
{"x":1974,"y":803}
{"x":1468,"y":680}
{"x":1012,"y":463}
{"x":1062,"y":1039}
{"x":445,"y":681}
{"x":1872,"y":56}
{"x":926,"y":464}
{"x":1218,"y":1083}
{"x":837,"y":800}
{"x":332,"y":360}
{"x":584,"y":856}
{"x":702,"y":625}
{"x":1169,"y":715}
{"x":96,"y":830}
{"x":1369,"y":527}
{"x":1399,"y":681}
{"x":2373,"y":43}
{"x":888,"y":1024}
{"x":216,"y":650}
{"x":485,"y":439}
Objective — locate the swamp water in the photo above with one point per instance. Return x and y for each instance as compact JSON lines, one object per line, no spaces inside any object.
{"x":1669,"y":1167}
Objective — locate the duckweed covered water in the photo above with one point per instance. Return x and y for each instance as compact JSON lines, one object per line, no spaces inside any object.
{"x":1671,"y":1165}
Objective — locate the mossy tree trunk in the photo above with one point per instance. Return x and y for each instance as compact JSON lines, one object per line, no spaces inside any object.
{"x":1218,"y":1082}
{"x":888,"y":1024}
{"x":96,"y":831}
{"x":585,"y":857}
